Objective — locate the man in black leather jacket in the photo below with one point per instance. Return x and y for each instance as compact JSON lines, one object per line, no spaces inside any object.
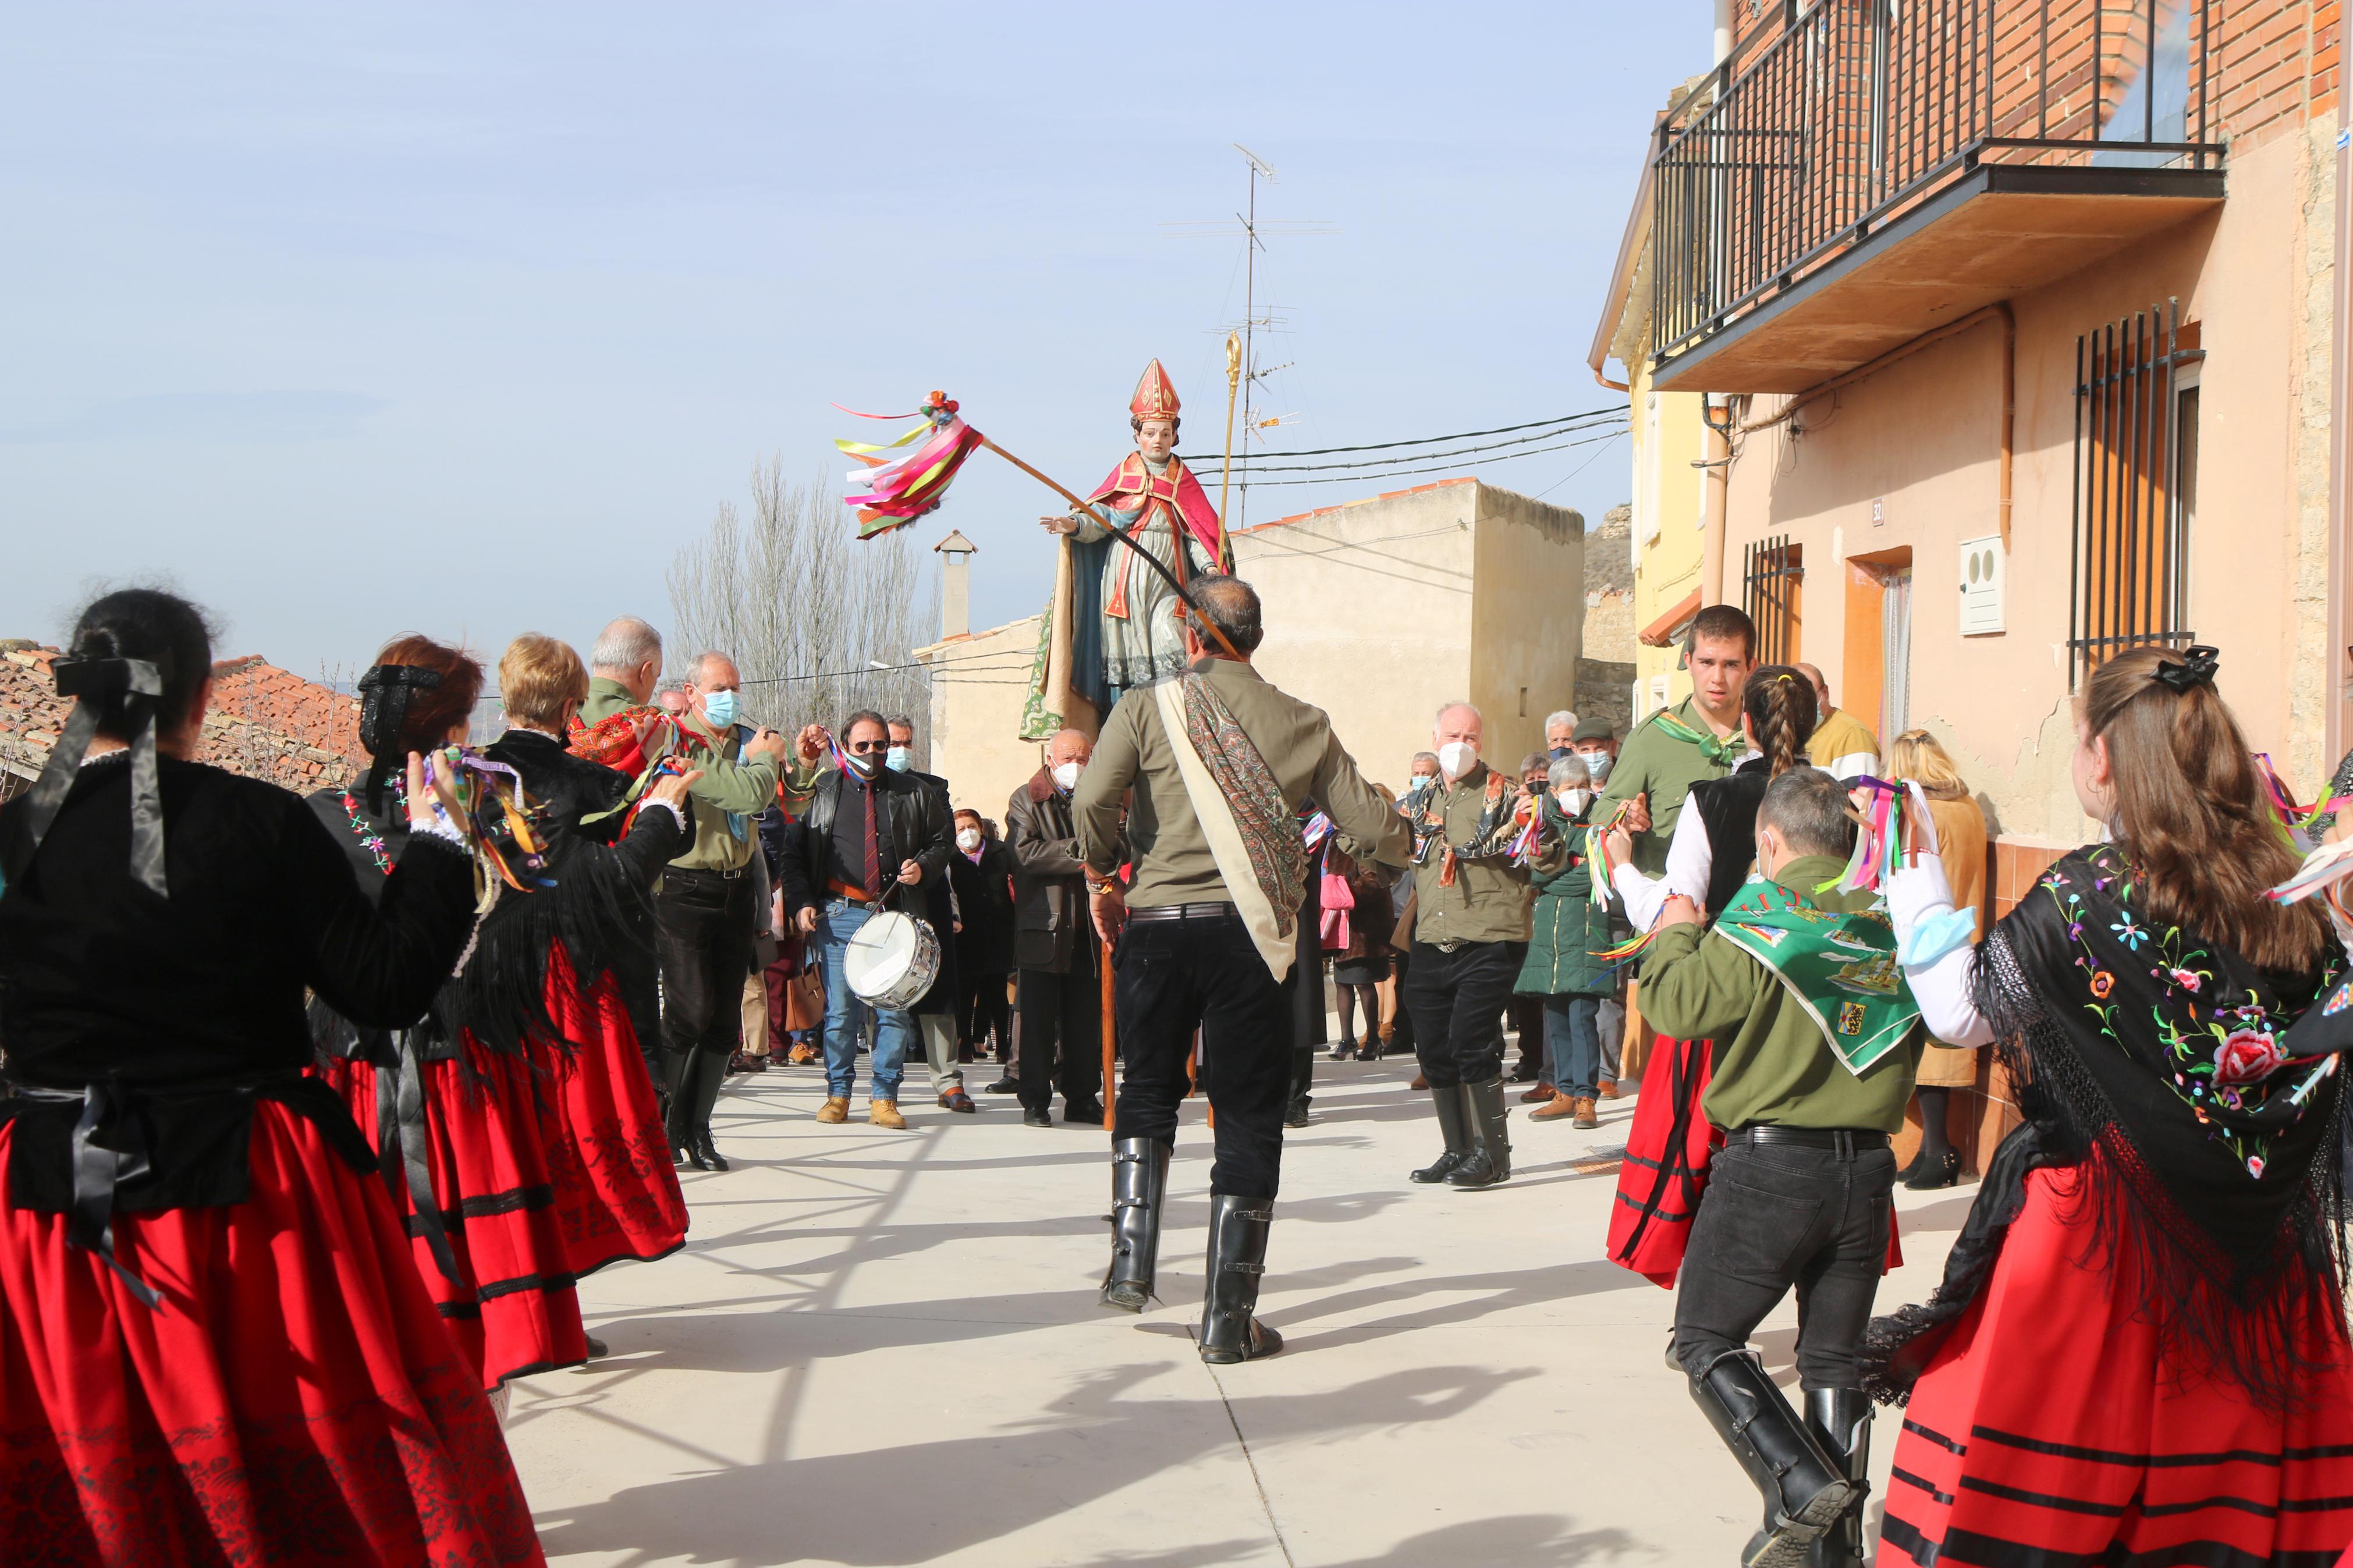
{"x":866,"y":840}
{"x":1060,"y":988}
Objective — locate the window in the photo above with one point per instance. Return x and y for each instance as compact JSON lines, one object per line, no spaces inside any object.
{"x":2134,"y":486}
{"x":1774,"y":570}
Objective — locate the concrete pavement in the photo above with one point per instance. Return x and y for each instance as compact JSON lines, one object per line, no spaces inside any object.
{"x":883,"y":1348}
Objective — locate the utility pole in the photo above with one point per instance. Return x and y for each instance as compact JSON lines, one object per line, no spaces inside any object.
{"x":1251,"y":247}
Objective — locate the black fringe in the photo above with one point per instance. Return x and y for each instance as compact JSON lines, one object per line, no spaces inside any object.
{"x":2239,"y":1320}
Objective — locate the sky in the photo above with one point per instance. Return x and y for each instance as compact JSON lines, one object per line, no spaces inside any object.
{"x":353,"y":320}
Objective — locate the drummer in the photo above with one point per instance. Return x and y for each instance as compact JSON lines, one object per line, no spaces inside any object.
{"x":867,"y":838}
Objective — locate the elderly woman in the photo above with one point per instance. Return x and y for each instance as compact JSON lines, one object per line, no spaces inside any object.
{"x":1566,"y":928}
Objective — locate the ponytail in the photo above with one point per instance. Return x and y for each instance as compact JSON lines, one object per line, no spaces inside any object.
{"x":1778,"y":703}
{"x":158,"y":628}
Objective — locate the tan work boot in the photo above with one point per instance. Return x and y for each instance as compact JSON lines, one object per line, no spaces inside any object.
{"x":1557,"y":1108}
{"x":885,"y":1114}
{"x":833,"y":1112}
{"x":1584,"y":1118}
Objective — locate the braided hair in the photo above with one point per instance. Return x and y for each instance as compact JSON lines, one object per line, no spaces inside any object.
{"x":1778,"y":703}
{"x":161,"y":629}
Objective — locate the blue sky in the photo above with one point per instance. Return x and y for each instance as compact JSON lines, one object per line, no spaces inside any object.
{"x":353,"y":320}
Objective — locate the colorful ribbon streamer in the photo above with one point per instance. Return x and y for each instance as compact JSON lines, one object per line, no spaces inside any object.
{"x":1879,"y":844}
{"x":893,"y":493}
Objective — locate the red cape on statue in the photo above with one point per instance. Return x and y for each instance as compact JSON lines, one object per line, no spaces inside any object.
{"x":1176,"y":489}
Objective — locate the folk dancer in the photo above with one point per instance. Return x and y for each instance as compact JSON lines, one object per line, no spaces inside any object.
{"x":1218,"y":762}
{"x":2138,"y":1353}
{"x":1815,"y":1040}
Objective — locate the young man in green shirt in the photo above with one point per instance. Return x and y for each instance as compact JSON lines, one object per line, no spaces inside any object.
{"x":1675,"y":748}
{"x":1802,"y":1193}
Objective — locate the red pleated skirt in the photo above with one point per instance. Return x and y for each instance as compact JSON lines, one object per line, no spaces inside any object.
{"x":512,"y":1308}
{"x":617,"y":1193}
{"x":2048,"y":1430}
{"x":1668,"y":1147}
{"x":297,"y":1399}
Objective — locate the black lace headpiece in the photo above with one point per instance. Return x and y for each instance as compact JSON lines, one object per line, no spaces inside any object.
{"x":2197,"y":669}
{"x":384,"y":713}
{"x":90,"y":682}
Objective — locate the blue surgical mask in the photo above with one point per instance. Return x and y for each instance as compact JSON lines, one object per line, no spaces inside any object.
{"x":1597,"y":765}
{"x":719,"y":707}
{"x":897,"y":759}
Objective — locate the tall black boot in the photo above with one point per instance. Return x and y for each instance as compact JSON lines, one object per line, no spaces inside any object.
{"x":1454,"y":1126}
{"x":1805,"y":1490}
{"x":1303,"y":1078}
{"x":1839,"y":1419}
{"x":690,"y":1108}
{"x":1139,"y":1181}
{"x":1237,"y":1233}
{"x":1490,"y":1161}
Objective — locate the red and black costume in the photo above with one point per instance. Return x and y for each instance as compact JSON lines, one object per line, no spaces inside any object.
{"x":2138,"y":1354}
{"x":214,"y":1346}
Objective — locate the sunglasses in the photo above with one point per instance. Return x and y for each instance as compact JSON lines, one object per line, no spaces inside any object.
{"x":863,"y":748}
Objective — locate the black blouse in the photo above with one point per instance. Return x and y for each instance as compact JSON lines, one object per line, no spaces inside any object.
{"x":99,"y":978}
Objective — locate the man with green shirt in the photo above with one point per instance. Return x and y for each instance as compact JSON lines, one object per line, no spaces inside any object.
{"x":1472,"y":897}
{"x":704,"y":914}
{"x":624,"y":668}
{"x":1808,"y":1086}
{"x":1675,"y":748}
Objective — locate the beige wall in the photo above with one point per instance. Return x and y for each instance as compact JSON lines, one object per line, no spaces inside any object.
{"x":1369,"y":610}
{"x":1921,"y":439}
{"x":1527,"y":618}
{"x":1668,"y":436}
{"x":979,"y":686}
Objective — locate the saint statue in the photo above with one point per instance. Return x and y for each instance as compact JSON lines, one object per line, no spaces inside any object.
{"x":1112,"y":624}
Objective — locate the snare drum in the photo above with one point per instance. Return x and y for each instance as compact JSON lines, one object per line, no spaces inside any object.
{"x":892,"y":960}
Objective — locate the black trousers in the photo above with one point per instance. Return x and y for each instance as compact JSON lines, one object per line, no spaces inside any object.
{"x":1061,"y":1034}
{"x":1457,"y":1000}
{"x":1777,"y":1216}
{"x":703,"y":935}
{"x":1174,"y":976}
{"x":982,"y":1008}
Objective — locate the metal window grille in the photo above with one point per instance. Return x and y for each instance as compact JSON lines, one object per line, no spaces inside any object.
{"x":1774,"y":570}
{"x":2128,"y":574}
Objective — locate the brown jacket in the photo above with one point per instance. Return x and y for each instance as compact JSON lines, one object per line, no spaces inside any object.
{"x":1050,"y":889}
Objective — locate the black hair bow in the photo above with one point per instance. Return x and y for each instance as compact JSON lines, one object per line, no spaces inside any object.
{"x":90,"y":681}
{"x":2197,"y":669}
{"x":384,"y":713}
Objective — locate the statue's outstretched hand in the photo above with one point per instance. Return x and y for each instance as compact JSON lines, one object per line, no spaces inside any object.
{"x":1066,"y":522}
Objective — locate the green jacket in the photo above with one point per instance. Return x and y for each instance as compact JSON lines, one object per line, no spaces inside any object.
{"x":1655,"y":761}
{"x":727,"y":799}
{"x":1772,"y":1064}
{"x":1566,"y":928}
{"x":1490,"y":898}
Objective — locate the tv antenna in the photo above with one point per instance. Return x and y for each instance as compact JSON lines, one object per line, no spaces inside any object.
{"x":1254,"y":234}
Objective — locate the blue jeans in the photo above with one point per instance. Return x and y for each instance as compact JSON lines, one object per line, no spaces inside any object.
{"x":1575,"y":1048}
{"x":847,"y":1017}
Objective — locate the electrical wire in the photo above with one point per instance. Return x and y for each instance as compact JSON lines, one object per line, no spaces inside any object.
{"x":1449,"y":468}
{"x":1257,"y":466}
{"x":1434,"y":440}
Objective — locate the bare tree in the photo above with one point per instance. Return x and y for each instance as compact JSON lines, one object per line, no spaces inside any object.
{"x":807,"y":609}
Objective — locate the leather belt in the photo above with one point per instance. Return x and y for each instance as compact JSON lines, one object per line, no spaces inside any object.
{"x":1847,"y":1141}
{"x":849,"y":892}
{"x":1200,"y":912}
{"x":737,"y":874}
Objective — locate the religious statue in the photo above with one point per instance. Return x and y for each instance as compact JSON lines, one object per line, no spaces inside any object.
{"x":1112,"y":624}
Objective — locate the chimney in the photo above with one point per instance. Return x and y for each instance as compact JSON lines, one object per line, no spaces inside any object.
{"x":956,"y":585}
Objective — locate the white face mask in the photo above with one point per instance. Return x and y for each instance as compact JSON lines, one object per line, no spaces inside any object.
{"x":1573,"y":801}
{"x":1457,"y":758}
{"x":1067,"y":775}
{"x":968,"y":841}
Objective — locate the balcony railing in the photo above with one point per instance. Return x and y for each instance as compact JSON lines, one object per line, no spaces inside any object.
{"x":1854,"y":111}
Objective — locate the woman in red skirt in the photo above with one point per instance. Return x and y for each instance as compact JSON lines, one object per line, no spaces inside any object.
{"x":214,"y":1346}
{"x":2138,"y":1353}
{"x":555,"y":967}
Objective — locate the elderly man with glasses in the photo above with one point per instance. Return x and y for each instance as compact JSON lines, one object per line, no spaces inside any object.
{"x":865,"y":832}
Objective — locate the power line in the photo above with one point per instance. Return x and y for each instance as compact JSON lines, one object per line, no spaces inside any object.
{"x":1449,"y":468}
{"x":1459,"y":436}
{"x":1255,"y":467}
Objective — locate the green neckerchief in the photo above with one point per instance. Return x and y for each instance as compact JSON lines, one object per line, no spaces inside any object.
{"x":1723,"y":750}
{"x":1841,"y":968}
